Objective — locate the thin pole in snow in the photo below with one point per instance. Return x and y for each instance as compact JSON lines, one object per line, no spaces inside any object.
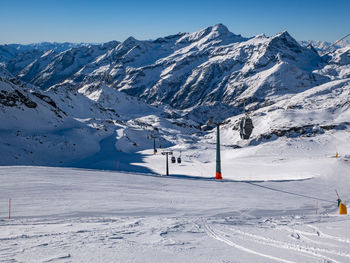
{"x":9,"y":208}
{"x":218,"y":174}
{"x":167,"y":165}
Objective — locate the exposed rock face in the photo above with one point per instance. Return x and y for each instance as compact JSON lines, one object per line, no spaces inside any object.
{"x":15,"y":98}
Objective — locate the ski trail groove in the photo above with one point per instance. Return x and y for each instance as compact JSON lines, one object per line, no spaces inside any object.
{"x":303,"y":235}
{"x":290,"y":246}
{"x":320,"y":233}
{"x":221,"y":238}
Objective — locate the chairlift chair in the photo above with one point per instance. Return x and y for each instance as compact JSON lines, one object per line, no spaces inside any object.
{"x":245,"y":127}
{"x":179,"y":158}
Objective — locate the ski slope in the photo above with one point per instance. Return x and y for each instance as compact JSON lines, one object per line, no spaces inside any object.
{"x":276,"y":203}
{"x":80,"y":215}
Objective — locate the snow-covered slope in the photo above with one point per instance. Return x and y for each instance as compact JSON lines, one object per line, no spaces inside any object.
{"x":91,"y":127}
{"x":35,"y":130}
{"x":76,"y":215}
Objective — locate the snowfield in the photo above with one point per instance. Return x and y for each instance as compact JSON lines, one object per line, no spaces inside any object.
{"x":80,"y":215}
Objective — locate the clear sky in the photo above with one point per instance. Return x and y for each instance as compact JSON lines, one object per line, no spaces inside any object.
{"x":28,"y":21}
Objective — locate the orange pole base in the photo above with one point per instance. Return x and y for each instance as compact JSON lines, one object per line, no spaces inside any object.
{"x":218,"y":176}
{"x":342,"y":209}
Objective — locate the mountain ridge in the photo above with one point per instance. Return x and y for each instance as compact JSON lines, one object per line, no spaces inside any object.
{"x":65,"y":108}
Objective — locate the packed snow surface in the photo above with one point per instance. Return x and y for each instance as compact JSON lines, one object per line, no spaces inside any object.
{"x":80,"y":215}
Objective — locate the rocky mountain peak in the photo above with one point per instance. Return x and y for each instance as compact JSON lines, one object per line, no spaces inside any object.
{"x":284,"y":39}
{"x":220,"y":28}
{"x":216,"y":32}
{"x":130,"y":41}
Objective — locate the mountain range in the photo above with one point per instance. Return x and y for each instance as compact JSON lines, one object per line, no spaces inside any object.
{"x":65,"y":104}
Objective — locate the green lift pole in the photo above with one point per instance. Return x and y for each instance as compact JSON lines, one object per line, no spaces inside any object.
{"x":154,"y":144}
{"x":166,"y":153}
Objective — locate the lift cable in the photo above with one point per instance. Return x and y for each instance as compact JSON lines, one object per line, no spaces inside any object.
{"x":336,"y":42}
{"x":291,"y":193}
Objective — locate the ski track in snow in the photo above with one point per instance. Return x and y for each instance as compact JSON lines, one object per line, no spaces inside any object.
{"x":278,"y":244}
{"x":234,"y":237}
{"x":65,"y":240}
{"x":319,"y":233}
{"x":221,"y":237}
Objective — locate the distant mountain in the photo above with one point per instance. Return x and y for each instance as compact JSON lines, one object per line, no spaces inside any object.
{"x":324,"y":46}
{"x":11,"y":51}
{"x":45,"y":46}
{"x":7,"y":52}
{"x":52,"y":67}
{"x":210,"y":68}
{"x":17,"y":57}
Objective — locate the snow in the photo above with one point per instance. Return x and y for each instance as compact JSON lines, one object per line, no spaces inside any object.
{"x":276,"y":201}
{"x":80,"y":215}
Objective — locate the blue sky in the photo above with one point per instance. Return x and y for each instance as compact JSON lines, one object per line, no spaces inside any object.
{"x":28,"y":21}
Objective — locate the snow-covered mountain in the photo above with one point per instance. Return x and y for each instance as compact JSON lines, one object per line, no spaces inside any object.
{"x":17,"y":56}
{"x":324,"y":46}
{"x":210,"y":68}
{"x":63,"y":127}
{"x":28,"y":61}
{"x":45,"y":46}
{"x":98,"y":103}
{"x":52,"y":68}
{"x":205,"y":68}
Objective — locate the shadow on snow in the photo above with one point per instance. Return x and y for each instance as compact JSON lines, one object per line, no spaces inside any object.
{"x":109,"y":158}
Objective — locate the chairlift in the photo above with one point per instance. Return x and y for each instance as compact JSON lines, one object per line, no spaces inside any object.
{"x":245,"y":127}
{"x":245,"y":124}
{"x":173,"y":159}
{"x":179,"y":158}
